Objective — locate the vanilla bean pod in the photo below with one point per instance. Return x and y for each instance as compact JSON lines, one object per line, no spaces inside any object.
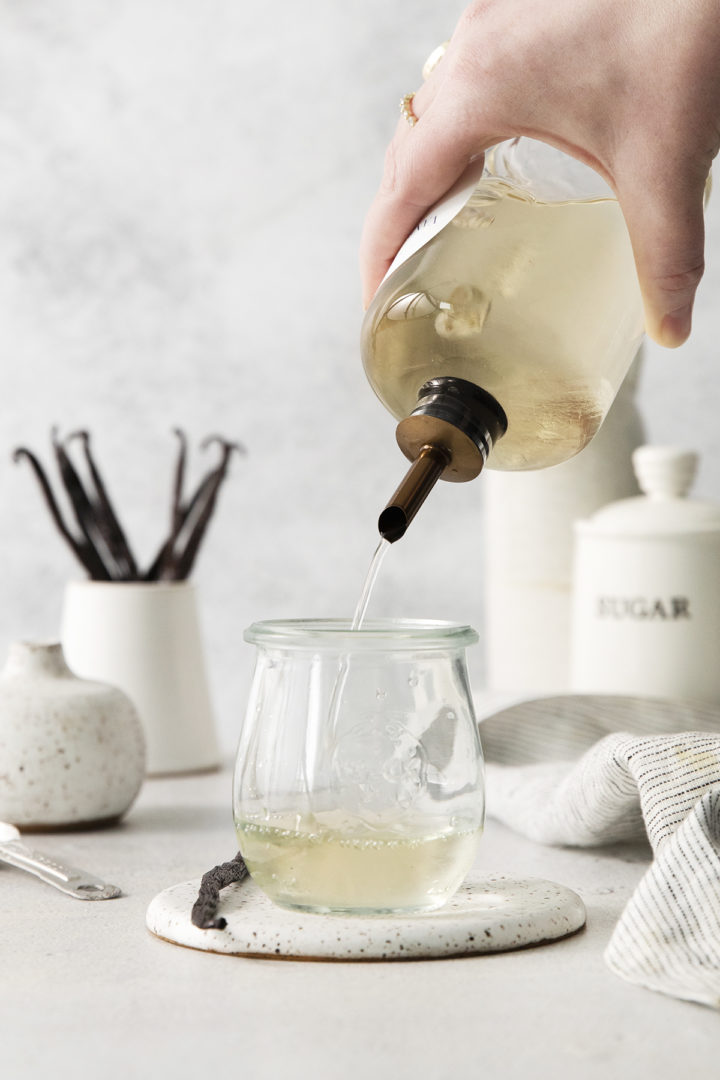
{"x":82,"y":508}
{"x":102,"y":546}
{"x":80,"y":549}
{"x":162,"y":566}
{"x":174,"y":561}
{"x":105,"y":517}
{"x":210,"y":489}
{"x":177,"y":512}
{"x":204,"y":909}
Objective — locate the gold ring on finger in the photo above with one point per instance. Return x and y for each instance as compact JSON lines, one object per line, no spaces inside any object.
{"x":406,"y":109}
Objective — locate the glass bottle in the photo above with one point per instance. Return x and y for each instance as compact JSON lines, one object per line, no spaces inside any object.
{"x":506,"y":324}
{"x":358,"y":784}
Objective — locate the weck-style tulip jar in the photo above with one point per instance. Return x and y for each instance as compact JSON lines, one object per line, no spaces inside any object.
{"x":358,"y":785}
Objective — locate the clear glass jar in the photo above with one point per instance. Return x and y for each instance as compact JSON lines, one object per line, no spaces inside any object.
{"x":358,"y":785}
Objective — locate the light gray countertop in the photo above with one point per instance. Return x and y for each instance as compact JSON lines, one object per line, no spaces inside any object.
{"x":88,"y":991}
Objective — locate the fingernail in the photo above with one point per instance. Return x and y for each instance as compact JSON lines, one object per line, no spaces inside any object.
{"x":675,"y":328}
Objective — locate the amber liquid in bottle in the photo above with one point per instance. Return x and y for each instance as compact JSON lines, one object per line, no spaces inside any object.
{"x":536,"y":302}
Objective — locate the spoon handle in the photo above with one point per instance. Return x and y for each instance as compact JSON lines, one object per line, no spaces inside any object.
{"x":67,"y":879}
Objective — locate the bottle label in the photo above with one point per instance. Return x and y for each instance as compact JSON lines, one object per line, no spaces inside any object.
{"x":441,"y":214}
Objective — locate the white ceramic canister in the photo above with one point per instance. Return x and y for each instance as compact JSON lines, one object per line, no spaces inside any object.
{"x":528,"y":536}
{"x":646,"y":605}
{"x":145,"y":638}
{"x":72,"y":751}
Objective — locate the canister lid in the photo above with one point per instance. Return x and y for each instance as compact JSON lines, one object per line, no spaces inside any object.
{"x":665,"y":475}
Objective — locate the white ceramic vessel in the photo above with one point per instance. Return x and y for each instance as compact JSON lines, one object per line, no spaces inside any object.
{"x":145,"y":638}
{"x":72,"y":752}
{"x":646,"y":610}
{"x":529,"y":518}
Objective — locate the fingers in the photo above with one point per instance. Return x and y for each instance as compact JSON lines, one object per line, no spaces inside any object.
{"x":422,"y":163}
{"x":664,"y":215}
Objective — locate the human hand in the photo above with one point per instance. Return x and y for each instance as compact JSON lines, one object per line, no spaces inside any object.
{"x":630,"y":87}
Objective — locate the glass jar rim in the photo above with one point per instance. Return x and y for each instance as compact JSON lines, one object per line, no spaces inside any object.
{"x":390,"y":634}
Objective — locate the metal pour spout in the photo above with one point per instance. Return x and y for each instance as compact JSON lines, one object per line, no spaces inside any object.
{"x":418,"y":482}
{"x":449,"y":434}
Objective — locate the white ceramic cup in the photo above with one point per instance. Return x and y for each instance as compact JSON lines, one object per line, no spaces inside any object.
{"x":144,"y":637}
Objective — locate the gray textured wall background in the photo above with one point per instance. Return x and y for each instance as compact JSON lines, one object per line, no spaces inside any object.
{"x":182,"y":186}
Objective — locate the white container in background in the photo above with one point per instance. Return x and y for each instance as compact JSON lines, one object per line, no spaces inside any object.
{"x":529,"y":519}
{"x":646,"y":609}
{"x":144,"y":637}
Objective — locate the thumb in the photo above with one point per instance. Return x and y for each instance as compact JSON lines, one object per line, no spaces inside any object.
{"x":665,"y":220}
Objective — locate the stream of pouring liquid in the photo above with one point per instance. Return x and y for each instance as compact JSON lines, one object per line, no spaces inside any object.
{"x":358,"y":619}
{"x":369,"y":583}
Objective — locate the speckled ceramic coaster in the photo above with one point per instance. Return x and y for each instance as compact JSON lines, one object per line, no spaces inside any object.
{"x":492,"y":914}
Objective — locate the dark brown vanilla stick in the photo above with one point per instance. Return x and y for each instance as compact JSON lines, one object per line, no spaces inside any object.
{"x":82,"y":551}
{"x":106,"y":520}
{"x":204,"y":911}
{"x":175,"y":559}
{"x":162,"y":565}
{"x":206,"y":506}
{"x":83,"y":510}
{"x":102,"y":546}
{"x":177,"y":514}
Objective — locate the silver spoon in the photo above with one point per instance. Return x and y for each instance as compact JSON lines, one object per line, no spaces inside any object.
{"x":68,"y":879}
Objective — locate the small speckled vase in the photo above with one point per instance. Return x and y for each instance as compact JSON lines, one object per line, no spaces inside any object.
{"x":72,"y":752}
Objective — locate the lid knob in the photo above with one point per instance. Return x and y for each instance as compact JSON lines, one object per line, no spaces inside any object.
{"x":665,"y":472}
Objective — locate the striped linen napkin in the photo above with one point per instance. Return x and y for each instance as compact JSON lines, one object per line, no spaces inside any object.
{"x":588,"y":770}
